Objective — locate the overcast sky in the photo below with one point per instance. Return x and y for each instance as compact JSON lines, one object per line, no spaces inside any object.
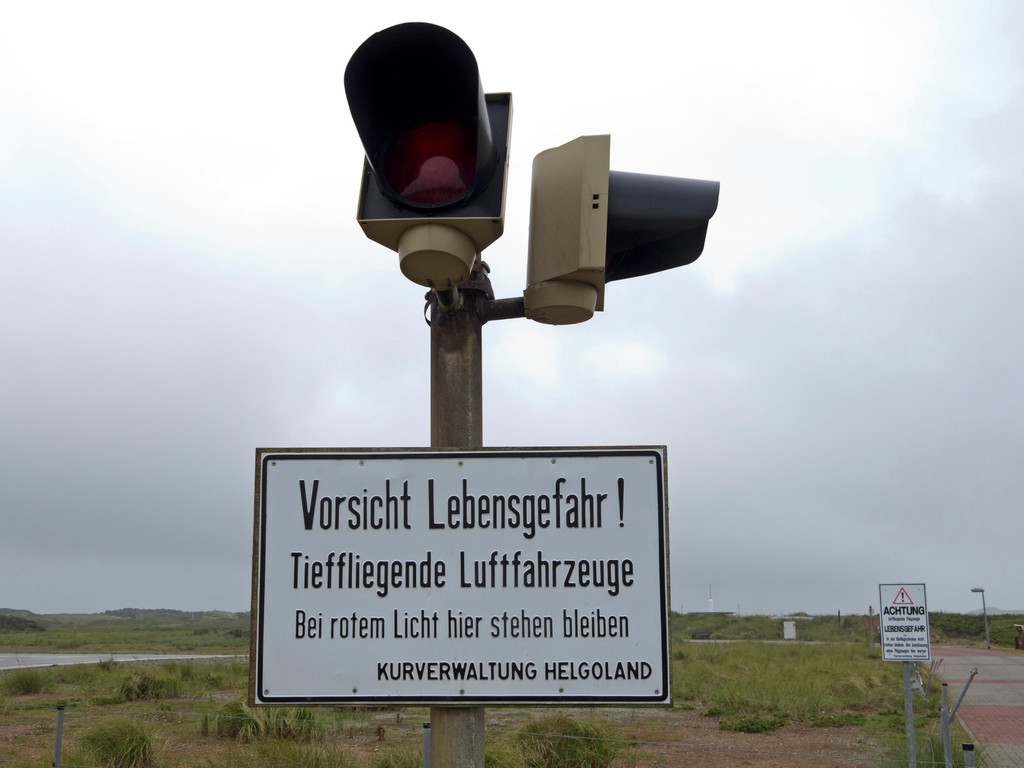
{"x":838,"y":378}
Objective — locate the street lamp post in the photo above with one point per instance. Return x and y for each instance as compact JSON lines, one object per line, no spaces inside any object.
{"x":984,"y":611}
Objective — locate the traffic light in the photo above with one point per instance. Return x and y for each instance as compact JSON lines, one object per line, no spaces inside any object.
{"x":433,"y":185}
{"x":590,"y":226}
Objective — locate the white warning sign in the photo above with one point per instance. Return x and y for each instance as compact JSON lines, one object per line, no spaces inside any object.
{"x":530,"y":575}
{"x":904,"y":622}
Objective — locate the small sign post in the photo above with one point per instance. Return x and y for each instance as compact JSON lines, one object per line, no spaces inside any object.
{"x":905,"y":637}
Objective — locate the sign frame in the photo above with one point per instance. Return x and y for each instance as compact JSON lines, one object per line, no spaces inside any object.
{"x":560,"y":677}
{"x":907,"y":641}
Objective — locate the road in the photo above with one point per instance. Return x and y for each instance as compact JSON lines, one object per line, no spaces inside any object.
{"x":20,"y":660}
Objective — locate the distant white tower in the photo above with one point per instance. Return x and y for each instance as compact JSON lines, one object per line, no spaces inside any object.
{"x":711,"y":602}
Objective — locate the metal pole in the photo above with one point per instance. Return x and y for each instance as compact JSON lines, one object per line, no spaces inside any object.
{"x":963,"y":693}
{"x":59,"y":736}
{"x":984,"y":610}
{"x":908,"y":714}
{"x":946,"y":716}
{"x":947,"y":746}
{"x":456,"y":421}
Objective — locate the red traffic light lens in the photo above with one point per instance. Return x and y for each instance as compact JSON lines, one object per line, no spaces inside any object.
{"x":433,"y":163}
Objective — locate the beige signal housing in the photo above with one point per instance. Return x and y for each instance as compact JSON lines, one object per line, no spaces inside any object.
{"x":568,"y":232}
{"x":438,"y":248}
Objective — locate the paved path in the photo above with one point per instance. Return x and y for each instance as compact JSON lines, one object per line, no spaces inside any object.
{"x":16,"y":660}
{"x":993,"y":708}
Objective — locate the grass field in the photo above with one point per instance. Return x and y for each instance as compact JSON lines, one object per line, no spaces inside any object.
{"x":126,"y":631}
{"x":194,"y":713}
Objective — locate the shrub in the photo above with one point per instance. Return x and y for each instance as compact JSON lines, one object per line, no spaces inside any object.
{"x":140,"y":684}
{"x":237,"y":720}
{"x":120,"y":744}
{"x":560,"y":741}
{"x":25,"y":682}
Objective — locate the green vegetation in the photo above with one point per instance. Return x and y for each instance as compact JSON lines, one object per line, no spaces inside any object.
{"x":799,"y":680}
{"x":948,"y":628}
{"x":838,"y":720}
{"x":727,"y":626}
{"x":138,"y":630}
{"x":120,"y":744}
{"x":25,"y":682}
{"x":10,"y":623}
{"x":126,"y":630}
{"x":759,"y":687}
{"x":560,"y":741}
{"x":970,"y":628}
{"x":241,"y":722}
{"x":194,"y":713}
{"x":398,"y":757}
{"x":753,"y":723}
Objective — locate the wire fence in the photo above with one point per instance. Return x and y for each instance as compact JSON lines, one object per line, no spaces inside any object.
{"x":375,"y":737}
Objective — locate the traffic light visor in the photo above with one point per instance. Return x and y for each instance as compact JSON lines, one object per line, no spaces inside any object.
{"x":419,"y":107}
{"x":656,"y":222}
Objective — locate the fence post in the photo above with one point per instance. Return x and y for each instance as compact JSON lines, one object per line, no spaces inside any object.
{"x":908,"y":714}
{"x":944,"y":718}
{"x":59,"y":736}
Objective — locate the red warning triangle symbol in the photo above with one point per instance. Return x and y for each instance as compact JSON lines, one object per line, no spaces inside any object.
{"x":902,"y":598}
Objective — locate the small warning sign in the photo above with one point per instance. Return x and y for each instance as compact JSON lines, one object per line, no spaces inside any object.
{"x":904,"y":622}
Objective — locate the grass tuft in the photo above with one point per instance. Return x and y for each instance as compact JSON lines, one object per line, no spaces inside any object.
{"x":241,"y":722}
{"x":398,"y":757}
{"x":140,"y":684}
{"x":562,"y":741}
{"x":289,"y":754}
{"x":120,"y":744}
{"x":26,"y":682}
